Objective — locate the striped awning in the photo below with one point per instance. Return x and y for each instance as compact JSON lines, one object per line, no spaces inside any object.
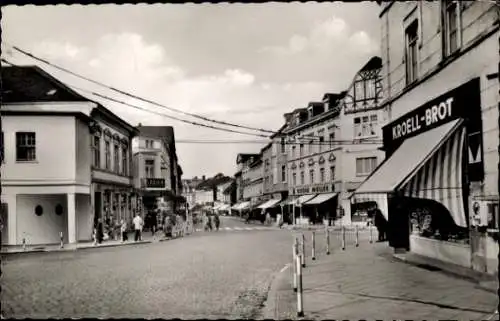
{"x":272,"y":202}
{"x":320,"y":198}
{"x":304,"y":198}
{"x":426,"y":166}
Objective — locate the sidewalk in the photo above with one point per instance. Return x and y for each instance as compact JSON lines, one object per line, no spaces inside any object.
{"x":147,"y":237}
{"x":368,"y":283}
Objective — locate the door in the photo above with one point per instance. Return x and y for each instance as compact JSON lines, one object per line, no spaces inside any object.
{"x":4,"y":222}
{"x":97,"y":206}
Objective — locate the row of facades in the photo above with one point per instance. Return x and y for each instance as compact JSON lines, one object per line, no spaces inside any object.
{"x":416,"y":134}
{"x":68,"y":161}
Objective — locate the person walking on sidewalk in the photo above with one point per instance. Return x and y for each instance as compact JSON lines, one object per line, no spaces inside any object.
{"x":138,"y":223}
{"x":123,"y":229}
{"x":216,"y":221}
{"x":380,"y":223}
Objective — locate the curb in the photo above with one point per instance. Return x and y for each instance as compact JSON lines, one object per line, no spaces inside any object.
{"x":481,"y":281}
{"x":279,"y":284}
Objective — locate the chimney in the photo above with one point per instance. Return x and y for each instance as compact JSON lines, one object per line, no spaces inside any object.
{"x":288,"y":117}
{"x":203,"y":178}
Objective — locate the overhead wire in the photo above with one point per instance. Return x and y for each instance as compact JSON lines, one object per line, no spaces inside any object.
{"x":152,"y":111}
{"x":220,"y":122}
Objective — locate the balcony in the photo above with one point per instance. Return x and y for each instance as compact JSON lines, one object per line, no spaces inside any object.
{"x":153,"y":183}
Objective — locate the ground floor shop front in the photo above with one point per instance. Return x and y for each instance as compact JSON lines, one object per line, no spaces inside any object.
{"x":436,"y":187}
{"x":112,"y":203}
{"x":43,"y":215}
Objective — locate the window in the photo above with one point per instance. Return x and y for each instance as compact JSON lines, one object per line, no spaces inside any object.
{"x":25,"y":147}
{"x":107,"y":151}
{"x":283,"y":149}
{"x":294,"y":179}
{"x":332,"y":173}
{"x":96,"y":149}
{"x":302,"y":178}
{"x":364,"y":166}
{"x":150,"y":168}
{"x":293,"y":151}
{"x":451,"y":26}
{"x":331,"y":138}
{"x":283,"y":173}
{"x":322,"y":175}
{"x":310,"y":147}
{"x":365,"y":126}
{"x":411,"y":52}
{"x":2,"y":150}
{"x":321,"y":135}
{"x":301,"y":150}
{"x":124,"y":161}
{"x":116,"y":159}
{"x":311,"y":176}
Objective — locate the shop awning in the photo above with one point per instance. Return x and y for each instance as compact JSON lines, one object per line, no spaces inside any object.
{"x":241,"y":206}
{"x":272,"y":202}
{"x":321,"y":198}
{"x":223,"y":207}
{"x":291,"y":200}
{"x":426,"y":166}
{"x":304,"y":198}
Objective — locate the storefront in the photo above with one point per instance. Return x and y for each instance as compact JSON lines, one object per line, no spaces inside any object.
{"x":422,"y":187}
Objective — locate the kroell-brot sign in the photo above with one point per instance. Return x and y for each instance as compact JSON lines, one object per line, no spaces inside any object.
{"x":461,"y":102}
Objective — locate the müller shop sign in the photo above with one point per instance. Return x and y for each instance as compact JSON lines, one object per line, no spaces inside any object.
{"x":462,"y":102}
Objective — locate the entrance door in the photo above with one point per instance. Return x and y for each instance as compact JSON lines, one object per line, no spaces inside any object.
{"x":97,"y":206}
{"x":5,"y":223}
{"x":399,"y":224}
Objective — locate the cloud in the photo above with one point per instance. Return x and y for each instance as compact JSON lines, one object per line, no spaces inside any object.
{"x":331,"y":34}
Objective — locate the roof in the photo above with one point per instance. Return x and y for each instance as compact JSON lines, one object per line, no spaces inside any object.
{"x":214,"y":181}
{"x":230,"y":188}
{"x":241,"y":158}
{"x":374,"y":63}
{"x":166,"y":132}
{"x":32,"y":84}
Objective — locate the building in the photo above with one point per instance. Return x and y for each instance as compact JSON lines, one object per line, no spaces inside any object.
{"x":154,"y":167}
{"x":252,"y":181}
{"x":189,"y":190}
{"x":229,"y":194}
{"x":438,"y":186}
{"x":360,"y":131}
{"x":243,"y":162}
{"x":275,"y":173}
{"x":112,"y":187}
{"x":47,"y":187}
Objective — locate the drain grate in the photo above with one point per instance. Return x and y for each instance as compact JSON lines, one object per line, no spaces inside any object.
{"x":428,"y":267}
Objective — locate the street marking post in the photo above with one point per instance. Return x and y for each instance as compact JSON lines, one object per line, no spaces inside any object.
{"x":61,"y":236}
{"x":295,"y":256}
{"x":303,"y":256}
{"x":300,"y":303}
{"x":357,"y":235}
{"x":313,"y":240}
{"x":24,"y":244}
{"x":370,"y":227}
{"x":343,"y":238}
{"x":327,"y":241}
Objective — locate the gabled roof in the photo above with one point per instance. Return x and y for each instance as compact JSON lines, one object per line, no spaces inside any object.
{"x":230,"y":188}
{"x":213,"y":182}
{"x":162,"y":132}
{"x":374,"y":63}
{"x":32,"y":84}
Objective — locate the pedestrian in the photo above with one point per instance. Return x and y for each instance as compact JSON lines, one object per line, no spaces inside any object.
{"x":209,"y":223}
{"x":380,"y":223}
{"x":123,"y":229}
{"x":138,"y":225}
{"x":99,"y":231}
{"x":154,"y":224}
{"x":216,"y":221}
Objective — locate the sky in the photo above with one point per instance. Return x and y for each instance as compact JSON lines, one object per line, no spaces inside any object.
{"x":240,"y":63}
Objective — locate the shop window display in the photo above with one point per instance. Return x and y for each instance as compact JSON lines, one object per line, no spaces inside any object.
{"x":436,"y":223}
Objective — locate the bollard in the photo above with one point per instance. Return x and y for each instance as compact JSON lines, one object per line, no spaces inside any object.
{"x":294,"y":265}
{"x":303,"y":257}
{"x":371,"y":237}
{"x":327,"y":241}
{"x":357,"y":235}
{"x":24,"y":244}
{"x":313,"y":240}
{"x":300,"y":307}
{"x":343,"y":238}
{"x":61,"y":236}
